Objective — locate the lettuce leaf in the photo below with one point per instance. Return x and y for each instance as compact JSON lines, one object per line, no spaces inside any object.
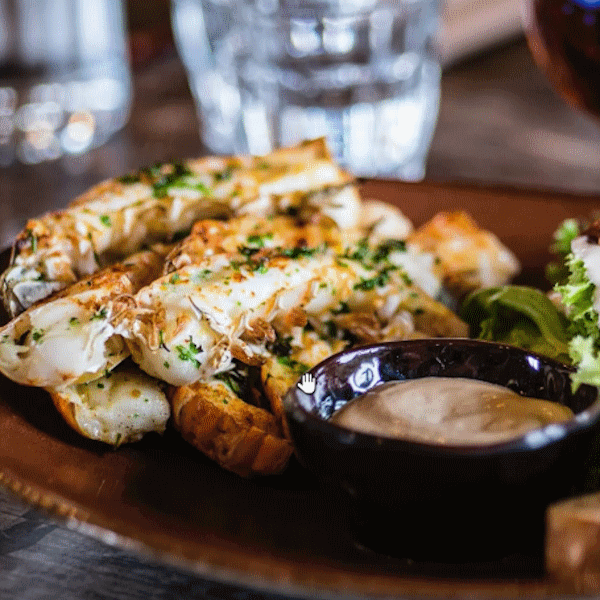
{"x":520,"y":316}
{"x":584,"y":346}
{"x":557,"y":271}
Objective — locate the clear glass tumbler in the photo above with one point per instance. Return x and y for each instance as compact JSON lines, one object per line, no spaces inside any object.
{"x":65,"y":80}
{"x":268,"y":73}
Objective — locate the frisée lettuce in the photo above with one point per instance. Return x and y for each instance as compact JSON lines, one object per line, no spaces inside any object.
{"x":557,"y":271}
{"x":577,"y":296}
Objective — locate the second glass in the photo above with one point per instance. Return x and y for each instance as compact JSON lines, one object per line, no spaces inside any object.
{"x":268,"y":73}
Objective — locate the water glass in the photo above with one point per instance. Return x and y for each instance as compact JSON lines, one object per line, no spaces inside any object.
{"x":65,"y":81}
{"x":268,"y":73}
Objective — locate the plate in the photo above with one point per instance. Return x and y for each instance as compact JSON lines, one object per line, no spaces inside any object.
{"x":281,"y":534}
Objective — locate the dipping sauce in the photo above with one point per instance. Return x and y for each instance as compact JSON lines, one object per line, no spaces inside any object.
{"x":448,"y":410}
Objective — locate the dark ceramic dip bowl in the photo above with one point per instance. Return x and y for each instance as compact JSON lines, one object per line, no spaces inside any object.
{"x":426,"y":501}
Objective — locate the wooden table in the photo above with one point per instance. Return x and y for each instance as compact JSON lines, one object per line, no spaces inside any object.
{"x":499,"y":123}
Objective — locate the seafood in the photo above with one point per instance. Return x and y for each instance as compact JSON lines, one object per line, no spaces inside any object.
{"x":273,"y":264}
{"x":190,"y":324}
{"x":118,"y":408}
{"x":70,"y":338}
{"x":470,"y":257}
{"x":120,"y":216}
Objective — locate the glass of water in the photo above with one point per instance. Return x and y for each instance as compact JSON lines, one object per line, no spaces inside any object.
{"x":65,"y":81}
{"x":268,"y":73}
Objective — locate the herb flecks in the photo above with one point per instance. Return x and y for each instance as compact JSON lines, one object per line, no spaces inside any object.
{"x":258,"y":241}
{"x":282,"y":346}
{"x":383,"y":250}
{"x":161,"y":340}
{"x":301,"y":251}
{"x":379,"y":280}
{"x":342,"y":309}
{"x":295,"y":365}
{"x":359,"y":252}
{"x":33,"y":240}
{"x":37,"y":334}
{"x":225,"y":174}
{"x":189,"y":353}
{"x":101,"y":313}
{"x":129,"y":178}
{"x":234,"y":380}
{"x":202,"y":275}
{"x":164,"y":181}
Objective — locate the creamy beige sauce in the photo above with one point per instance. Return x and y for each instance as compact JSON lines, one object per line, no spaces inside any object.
{"x":448,"y":410}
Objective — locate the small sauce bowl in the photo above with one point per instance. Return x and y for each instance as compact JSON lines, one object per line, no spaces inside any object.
{"x":428,"y":501}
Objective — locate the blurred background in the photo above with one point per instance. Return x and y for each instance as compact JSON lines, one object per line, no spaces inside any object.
{"x":499,"y":121}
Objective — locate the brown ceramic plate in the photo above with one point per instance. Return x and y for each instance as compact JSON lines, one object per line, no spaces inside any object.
{"x":283,"y":534}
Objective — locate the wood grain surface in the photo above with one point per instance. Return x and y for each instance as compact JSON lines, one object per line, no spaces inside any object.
{"x":499,"y":123}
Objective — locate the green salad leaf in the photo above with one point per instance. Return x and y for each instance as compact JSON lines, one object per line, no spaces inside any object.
{"x":557,"y":271}
{"x":520,"y":316}
{"x":577,"y":296}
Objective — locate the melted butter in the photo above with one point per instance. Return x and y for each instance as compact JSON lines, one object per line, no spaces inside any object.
{"x":448,"y":410}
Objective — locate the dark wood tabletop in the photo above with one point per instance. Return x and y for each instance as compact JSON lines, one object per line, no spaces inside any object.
{"x":499,"y":124}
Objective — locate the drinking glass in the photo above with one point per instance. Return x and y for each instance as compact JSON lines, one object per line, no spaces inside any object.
{"x":65,"y":82}
{"x":564,"y":38}
{"x":268,"y":73}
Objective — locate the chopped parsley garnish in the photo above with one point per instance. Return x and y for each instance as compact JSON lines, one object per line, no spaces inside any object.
{"x":381,"y":279}
{"x":250,"y":263}
{"x":247,"y":250}
{"x":259,"y":240}
{"x":199,"y":186}
{"x":189,"y":353}
{"x":295,"y":365}
{"x":96,"y":257}
{"x":37,"y":334}
{"x":299,"y":251}
{"x":165,"y":181}
{"x":100,"y":314}
{"x":105,"y":220}
{"x":32,"y":240}
{"x":203,"y":275}
{"x":174,"y":278}
{"x":73,"y":321}
{"x":383,"y":250}
{"x":100,"y":385}
{"x":342,"y":310}
{"x":225,"y":174}
{"x":282,"y":346}
{"x":332,"y":329}
{"x":129,"y":178}
{"x":161,"y":340}
{"x":166,"y":365}
{"x":234,"y":380}
{"x":361,"y":251}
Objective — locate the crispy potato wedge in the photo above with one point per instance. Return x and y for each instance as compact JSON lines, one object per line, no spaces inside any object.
{"x":240,"y":437}
{"x":279,"y":374}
